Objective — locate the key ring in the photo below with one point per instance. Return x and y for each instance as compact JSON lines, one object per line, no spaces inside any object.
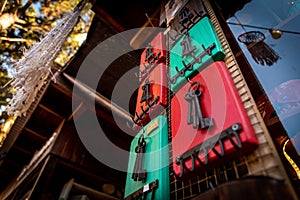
{"x":193,"y":90}
{"x":141,"y":140}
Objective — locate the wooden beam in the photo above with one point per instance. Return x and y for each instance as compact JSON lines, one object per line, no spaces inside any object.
{"x":35,"y":134}
{"x":141,"y":37}
{"x":100,"y":99}
{"x":106,"y":17}
{"x":22,"y":150}
{"x":62,"y":85}
{"x":50,"y":111}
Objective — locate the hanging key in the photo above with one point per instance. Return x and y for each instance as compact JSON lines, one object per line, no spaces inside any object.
{"x":205,"y":122}
{"x":139,"y":173}
{"x":196,"y":118}
{"x":195,"y":115}
{"x":188,"y":98}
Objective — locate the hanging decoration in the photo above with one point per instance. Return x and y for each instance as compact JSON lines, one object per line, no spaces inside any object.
{"x":35,"y":66}
{"x":262,"y":53}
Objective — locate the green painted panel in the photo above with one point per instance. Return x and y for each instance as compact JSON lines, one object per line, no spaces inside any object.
{"x":207,"y":49}
{"x":155,"y":160}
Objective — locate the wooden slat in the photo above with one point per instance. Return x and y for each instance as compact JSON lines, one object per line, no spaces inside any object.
{"x":22,"y":150}
{"x":50,"y":111}
{"x":35,"y":134}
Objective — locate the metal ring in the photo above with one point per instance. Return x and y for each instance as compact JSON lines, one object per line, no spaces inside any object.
{"x":192,"y":85}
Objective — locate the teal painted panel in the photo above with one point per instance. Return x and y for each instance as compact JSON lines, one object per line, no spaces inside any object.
{"x":155,"y":160}
{"x":197,"y":49}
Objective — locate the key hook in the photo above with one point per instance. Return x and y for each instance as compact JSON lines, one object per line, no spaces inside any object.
{"x":189,"y":80}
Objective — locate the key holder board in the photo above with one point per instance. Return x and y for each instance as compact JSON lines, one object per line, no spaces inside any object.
{"x":194,"y":51}
{"x":188,"y":15}
{"x":152,"y":96}
{"x":155,"y":162}
{"x":154,"y":54}
{"x":224,"y":130}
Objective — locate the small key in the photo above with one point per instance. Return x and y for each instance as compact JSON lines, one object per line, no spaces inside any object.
{"x":188,"y":98}
{"x":204,"y":122}
{"x":194,"y":113}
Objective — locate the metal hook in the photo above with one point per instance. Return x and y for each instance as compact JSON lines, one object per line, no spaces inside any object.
{"x":205,"y":152}
{"x":180,"y":162}
{"x":131,"y":125}
{"x":235,"y":128}
{"x":179,"y":72}
{"x":144,"y":112}
{"x":139,"y":118}
{"x":220,"y":154}
{"x":189,"y":80}
{"x":153,"y":104}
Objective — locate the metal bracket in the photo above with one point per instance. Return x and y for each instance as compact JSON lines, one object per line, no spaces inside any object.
{"x":201,"y":151}
{"x":189,"y":67}
{"x":142,"y":192}
{"x":138,"y":117}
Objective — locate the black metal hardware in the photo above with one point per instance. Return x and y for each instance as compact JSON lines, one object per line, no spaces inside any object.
{"x":146,"y":97}
{"x":185,"y":15}
{"x":195,"y":115}
{"x":190,"y":20}
{"x":139,"y":173}
{"x":189,"y":67}
{"x":142,"y":192}
{"x":146,"y":92}
{"x":189,"y":14}
{"x":187,"y":49}
{"x":149,"y":53}
{"x":138,"y":117}
{"x":150,"y":59}
{"x":200,"y":152}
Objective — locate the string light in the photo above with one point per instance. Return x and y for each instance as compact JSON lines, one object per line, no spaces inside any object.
{"x":275,"y":33}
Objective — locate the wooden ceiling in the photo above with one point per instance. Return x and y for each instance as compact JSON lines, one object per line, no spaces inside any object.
{"x":54,"y":103}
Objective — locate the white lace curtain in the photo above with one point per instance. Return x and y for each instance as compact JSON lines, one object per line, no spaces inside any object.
{"x":35,"y":66}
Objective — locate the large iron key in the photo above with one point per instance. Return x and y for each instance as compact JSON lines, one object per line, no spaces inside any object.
{"x":205,"y":122}
{"x":139,"y":173}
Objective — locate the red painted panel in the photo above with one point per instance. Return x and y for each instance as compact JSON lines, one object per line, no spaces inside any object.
{"x":155,"y":53}
{"x":221,"y":102}
{"x":157,"y":91}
